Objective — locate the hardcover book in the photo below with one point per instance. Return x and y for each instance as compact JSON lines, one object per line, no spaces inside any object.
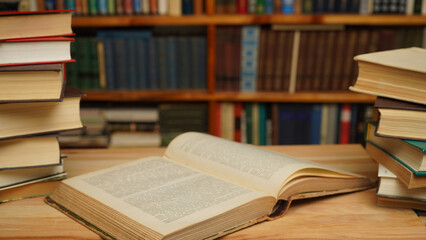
{"x":400,"y":119}
{"x":29,"y":152}
{"x":18,"y":25}
{"x":24,"y":119}
{"x":37,"y":82}
{"x":398,"y":74}
{"x":35,"y":50}
{"x":204,"y":187}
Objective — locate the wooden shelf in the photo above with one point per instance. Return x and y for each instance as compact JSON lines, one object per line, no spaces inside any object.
{"x":149,"y":20}
{"x":194,"y":95}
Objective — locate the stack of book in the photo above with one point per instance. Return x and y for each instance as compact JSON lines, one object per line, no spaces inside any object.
{"x":397,"y":140}
{"x":133,"y":127}
{"x":35,"y":103}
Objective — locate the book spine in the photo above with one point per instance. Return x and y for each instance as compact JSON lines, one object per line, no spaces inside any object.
{"x":249,"y":55}
{"x":345,"y":124}
{"x":172,"y":63}
{"x":242,"y":6}
{"x":175,"y":8}
{"x":137,"y":6}
{"x":102,"y":7}
{"x":287,"y":7}
{"x":269,"y":6}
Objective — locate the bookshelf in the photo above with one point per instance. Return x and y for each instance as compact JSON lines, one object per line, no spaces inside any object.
{"x":212,"y":21}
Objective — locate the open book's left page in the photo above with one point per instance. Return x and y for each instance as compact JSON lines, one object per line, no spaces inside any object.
{"x":163,"y":195}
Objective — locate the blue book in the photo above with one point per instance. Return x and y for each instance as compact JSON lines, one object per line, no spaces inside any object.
{"x":187,"y":7}
{"x":287,"y":7}
{"x":102,"y":7}
{"x":49,"y":5}
{"x":184,"y":68}
{"x":142,"y":63}
{"x":69,"y":4}
{"x":249,"y":57}
{"x":137,"y":6}
{"x":172,"y":60}
{"x":269,"y":6}
{"x":302,"y":123}
{"x":152,"y":64}
{"x":316,"y":115}
{"x":121,"y":79}
{"x":132,"y":63}
{"x":262,"y":123}
{"x":162,"y":62}
{"x":202,"y":58}
{"x":287,"y":125}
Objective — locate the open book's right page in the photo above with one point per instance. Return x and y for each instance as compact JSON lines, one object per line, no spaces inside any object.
{"x":247,"y":165}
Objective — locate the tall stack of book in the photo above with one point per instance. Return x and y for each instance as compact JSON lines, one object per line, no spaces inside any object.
{"x":397,"y":141}
{"x":35,"y":103}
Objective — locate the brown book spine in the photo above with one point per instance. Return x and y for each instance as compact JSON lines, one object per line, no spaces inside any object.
{"x":319,"y":60}
{"x":269,"y":60}
{"x":338,"y":60}
{"x":153,"y":6}
{"x":198,"y":7}
{"x":352,"y":37}
{"x":279,"y":60}
{"x":278,"y":6}
{"x":301,"y":66}
{"x":288,"y":55}
{"x":261,"y":60}
{"x":329,"y":60}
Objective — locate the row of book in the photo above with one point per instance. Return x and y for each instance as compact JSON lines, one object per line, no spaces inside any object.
{"x":110,"y":7}
{"x":285,"y":58}
{"x":396,"y":138}
{"x":320,"y":7}
{"x":129,"y":60}
{"x":129,"y":126}
{"x":290,"y":123}
{"x":35,"y":106}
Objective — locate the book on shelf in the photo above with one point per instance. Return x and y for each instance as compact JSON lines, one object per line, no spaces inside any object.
{"x":391,"y":192}
{"x":30,"y":24}
{"x":36,"y":82}
{"x":134,"y":139}
{"x":131,"y":114}
{"x":397,"y":74}
{"x":35,"y":51}
{"x":29,"y":118}
{"x":401,"y":119}
{"x":195,"y":190}
{"x":28,"y":152}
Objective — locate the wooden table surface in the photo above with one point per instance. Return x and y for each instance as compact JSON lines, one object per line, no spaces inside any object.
{"x":346,"y":216}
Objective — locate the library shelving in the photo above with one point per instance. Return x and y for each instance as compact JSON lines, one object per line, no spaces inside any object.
{"x":212,"y":22}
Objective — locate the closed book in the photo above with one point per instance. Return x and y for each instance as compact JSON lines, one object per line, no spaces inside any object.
{"x":35,"y":51}
{"x":24,"y":119}
{"x":398,"y":74}
{"x":187,"y":7}
{"x":175,"y":7}
{"x":28,"y":152}
{"x":12,"y":178}
{"x":400,"y":119}
{"x":128,"y":114}
{"x":198,"y":7}
{"x":37,"y":82}
{"x":345,"y":124}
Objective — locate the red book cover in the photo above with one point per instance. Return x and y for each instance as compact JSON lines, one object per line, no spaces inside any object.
{"x":242,"y":6}
{"x":345,"y":124}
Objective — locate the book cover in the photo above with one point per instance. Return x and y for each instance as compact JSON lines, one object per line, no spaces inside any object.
{"x":249,"y":56}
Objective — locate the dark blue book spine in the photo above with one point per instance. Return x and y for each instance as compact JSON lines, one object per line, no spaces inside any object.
{"x":202,"y":58}
{"x":162,"y":62}
{"x":172,"y":71}
{"x":195,"y":64}
{"x":142,"y":54}
{"x":316,"y":115}
{"x":132,"y":63}
{"x":120,"y":57}
{"x":152,"y":65}
{"x":49,"y":5}
{"x":187,"y":7}
{"x":287,"y":125}
{"x":184,"y":62}
{"x":303,"y":124}
{"x":269,"y":6}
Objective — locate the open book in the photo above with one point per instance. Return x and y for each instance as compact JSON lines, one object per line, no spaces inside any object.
{"x":203,"y":187}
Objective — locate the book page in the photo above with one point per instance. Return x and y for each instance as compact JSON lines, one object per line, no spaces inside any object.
{"x":164,"y":195}
{"x":243,"y":164}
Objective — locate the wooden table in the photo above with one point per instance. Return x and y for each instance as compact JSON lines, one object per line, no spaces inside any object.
{"x":347,"y":216}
